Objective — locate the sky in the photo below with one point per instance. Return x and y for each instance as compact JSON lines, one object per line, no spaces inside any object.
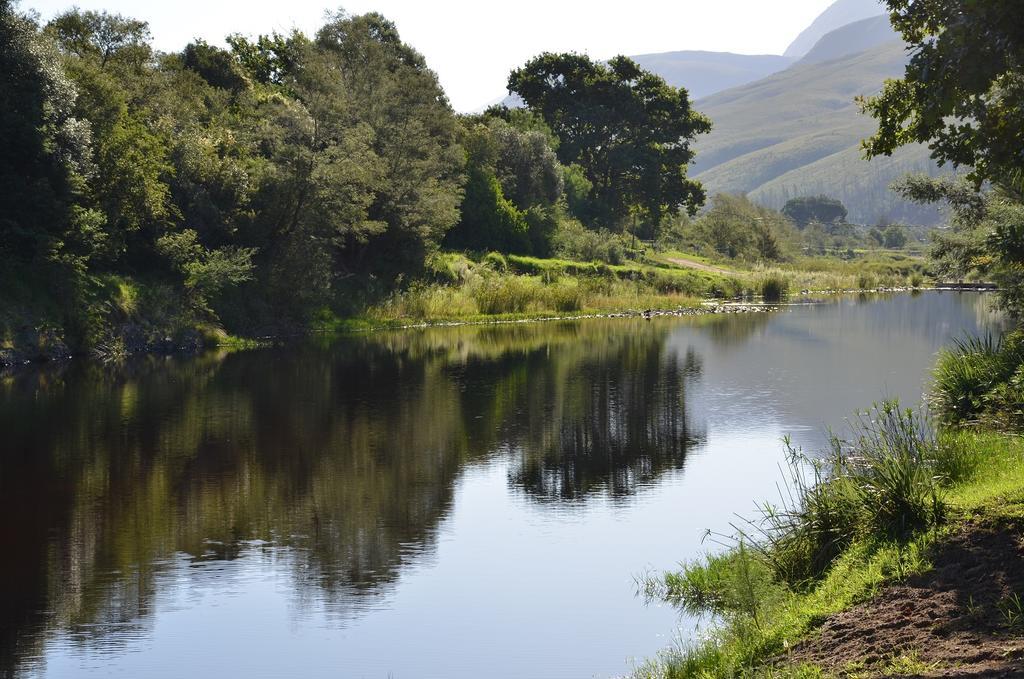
{"x":472,"y":45}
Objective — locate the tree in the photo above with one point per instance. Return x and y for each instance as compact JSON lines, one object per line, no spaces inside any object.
{"x":102,"y":37}
{"x":412,"y":131}
{"x":47,"y":151}
{"x":626,"y":128}
{"x":526,"y":166}
{"x":104,"y":56}
{"x":316,"y":201}
{"x":737,"y":228}
{"x":807,"y":209}
{"x":877,"y":236}
{"x":895,"y":237}
{"x":962,"y":92}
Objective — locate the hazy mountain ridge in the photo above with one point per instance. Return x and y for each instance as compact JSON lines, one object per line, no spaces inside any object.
{"x":853,"y":38}
{"x":705,"y":73}
{"x":790,"y":125}
{"x":840,"y":13}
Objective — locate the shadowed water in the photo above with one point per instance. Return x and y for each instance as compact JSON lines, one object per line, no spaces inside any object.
{"x":458,"y":502}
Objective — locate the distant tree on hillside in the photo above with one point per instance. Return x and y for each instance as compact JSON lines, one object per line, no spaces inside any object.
{"x":895,"y":237}
{"x":807,"y":209}
{"x":627,"y":129}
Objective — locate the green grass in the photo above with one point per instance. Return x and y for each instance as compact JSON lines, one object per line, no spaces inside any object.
{"x":981,"y":379}
{"x":758,"y":615}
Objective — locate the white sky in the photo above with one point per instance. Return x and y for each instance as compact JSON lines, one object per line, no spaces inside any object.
{"x":473,"y":45}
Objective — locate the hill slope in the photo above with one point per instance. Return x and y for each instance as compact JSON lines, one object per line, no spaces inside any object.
{"x":706,"y":73}
{"x":798,"y":132}
{"x":853,"y":38}
{"x":839,"y":14}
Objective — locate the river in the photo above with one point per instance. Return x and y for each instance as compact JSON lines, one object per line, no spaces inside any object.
{"x":456,"y":502}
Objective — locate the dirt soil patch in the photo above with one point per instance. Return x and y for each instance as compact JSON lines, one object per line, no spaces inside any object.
{"x":699,"y":266}
{"x":954,"y":621}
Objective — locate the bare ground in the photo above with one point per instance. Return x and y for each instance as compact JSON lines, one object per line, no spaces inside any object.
{"x":954,"y":621}
{"x":699,"y":266}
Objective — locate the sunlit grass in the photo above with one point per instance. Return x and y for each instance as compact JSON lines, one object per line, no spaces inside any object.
{"x":757,"y":614}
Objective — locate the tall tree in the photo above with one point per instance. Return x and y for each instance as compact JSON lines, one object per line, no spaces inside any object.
{"x":963,"y":94}
{"x":411,"y":131}
{"x":46,"y":159}
{"x":629,"y":131}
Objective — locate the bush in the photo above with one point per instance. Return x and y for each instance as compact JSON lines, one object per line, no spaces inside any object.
{"x":980,"y":377}
{"x":574,"y":241}
{"x":496,"y":261}
{"x":774,"y":287}
{"x":448,"y":268}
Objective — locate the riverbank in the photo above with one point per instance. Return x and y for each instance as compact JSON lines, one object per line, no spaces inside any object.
{"x":921,"y":575}
{"x":113,"y":317}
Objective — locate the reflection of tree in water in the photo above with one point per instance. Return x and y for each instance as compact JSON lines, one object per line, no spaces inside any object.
{"x":345,"y":457}
{"x":346,"y":460}
{"x":615,"y":425}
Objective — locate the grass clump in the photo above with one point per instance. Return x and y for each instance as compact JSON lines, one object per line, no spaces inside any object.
{"x":774,"y":287}
{"x":863,"y":513}
{"x":866,"y":281}
{"x":880,"y":484}
{"x":981,"y":378}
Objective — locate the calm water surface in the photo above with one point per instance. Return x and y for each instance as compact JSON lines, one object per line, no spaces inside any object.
{"x":467,"y":502}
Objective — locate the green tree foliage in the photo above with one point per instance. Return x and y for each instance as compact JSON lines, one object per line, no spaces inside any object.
{"x":737,"y":228}
{"x":963,"y":95}
{"x":264,"y":182}
{"x":102,"y":37}
{"x":412,"y":133}
{"x":807,"y":209}
{"x":46,"y":160}
{"x":488,"y":220}
{"x":986,"y":239}
{"x":627,"y":130}
{"x":963,"y":90}
{"x":895,"y":237}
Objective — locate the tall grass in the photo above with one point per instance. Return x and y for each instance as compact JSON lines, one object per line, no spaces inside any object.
{"x":880,"y":492}
{"x":979,"y":378}
{"x":774,"y":287}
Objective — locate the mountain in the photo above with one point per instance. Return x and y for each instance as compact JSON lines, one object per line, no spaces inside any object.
{"x":701,"y":73}
{"x":798,"y":132}
{"x":705,"y":73}
{"x":839,"y":14}
{"x":857,"y":37}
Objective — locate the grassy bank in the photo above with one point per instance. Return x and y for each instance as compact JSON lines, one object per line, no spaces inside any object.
{"x":460,"y":288}
{"x":114,"y":316}
{"x":868,"y":512}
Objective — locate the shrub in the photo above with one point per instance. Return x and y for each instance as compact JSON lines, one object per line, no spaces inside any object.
{"x":980,"y":376}
{"x":774,"y":287}
{"x":449,"y":268}
{"x":496,"y":261}
{"x":574,"y":241}
{"x":866,"y":281}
